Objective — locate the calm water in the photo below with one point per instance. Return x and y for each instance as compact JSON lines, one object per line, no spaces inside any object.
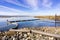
{"x":35,"y":23}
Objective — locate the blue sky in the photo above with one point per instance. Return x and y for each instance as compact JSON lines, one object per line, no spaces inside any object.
{"x":29,"y":7}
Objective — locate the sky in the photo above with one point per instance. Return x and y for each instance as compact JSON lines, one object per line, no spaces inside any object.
{"x":29,"y":7}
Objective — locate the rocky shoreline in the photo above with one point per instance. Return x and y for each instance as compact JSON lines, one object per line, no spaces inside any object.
{"x":25,"y":34}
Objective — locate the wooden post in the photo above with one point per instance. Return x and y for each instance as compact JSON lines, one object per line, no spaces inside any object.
{"x":55,"y":20}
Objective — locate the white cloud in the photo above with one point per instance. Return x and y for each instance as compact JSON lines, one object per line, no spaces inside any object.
{"x":10,"y":11}
{"x":57,"y":9}
{"x":44,"y":13}
{"x":33,"y":4}
{"x":8,"y":8}
{"x":16,"y":2}
{"x":47,"y":3}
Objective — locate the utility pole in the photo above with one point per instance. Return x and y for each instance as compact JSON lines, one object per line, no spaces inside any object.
{"x":7,"y":21}
{"x":55,"y":19}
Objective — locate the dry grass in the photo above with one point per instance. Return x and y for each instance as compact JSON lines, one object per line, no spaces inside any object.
{"x":49,"y":17}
